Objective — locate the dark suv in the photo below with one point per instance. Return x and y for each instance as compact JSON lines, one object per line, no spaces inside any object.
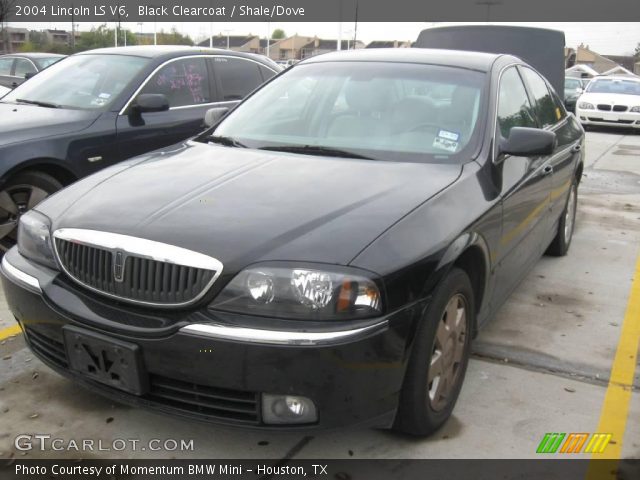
{"x":99,"y":107}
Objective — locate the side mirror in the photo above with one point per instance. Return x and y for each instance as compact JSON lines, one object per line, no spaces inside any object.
{"x":29,"y":75}
{"x":214,"y":115}
{"x":579,"y":91}
{"x":528,"y":142}
{"x":150,"y":102}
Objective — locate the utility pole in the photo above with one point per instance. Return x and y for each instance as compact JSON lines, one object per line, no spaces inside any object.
{"x":355,"y":28}
{"x":268,"y":38}
{"x":73,"y":30}
{"x":227,"y":32}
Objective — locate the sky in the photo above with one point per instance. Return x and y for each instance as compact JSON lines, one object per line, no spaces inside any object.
{"x":607,"y":38}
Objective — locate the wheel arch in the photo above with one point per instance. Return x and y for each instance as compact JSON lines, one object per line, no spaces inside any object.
{"x":51,"y":166}
{"x":470,"y":253}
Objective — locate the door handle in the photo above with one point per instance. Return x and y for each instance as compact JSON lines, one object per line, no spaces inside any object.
{"x":547,"y":170}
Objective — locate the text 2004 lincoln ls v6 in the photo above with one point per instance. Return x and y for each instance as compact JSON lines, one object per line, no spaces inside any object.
{"x":321,"y":257}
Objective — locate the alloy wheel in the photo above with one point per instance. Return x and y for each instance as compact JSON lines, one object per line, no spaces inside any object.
{"x":448,"y":352}
{"x":15,"y":200}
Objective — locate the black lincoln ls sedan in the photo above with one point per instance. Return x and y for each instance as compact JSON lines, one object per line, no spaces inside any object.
{"x":96,"y":108}
{"x":321,"y":256}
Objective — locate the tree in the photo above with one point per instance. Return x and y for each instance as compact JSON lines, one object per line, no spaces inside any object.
{"x":102,"y":37}
{"x":6,"y":7}
{"x":278,"y":34}
{"x":174,"y":38}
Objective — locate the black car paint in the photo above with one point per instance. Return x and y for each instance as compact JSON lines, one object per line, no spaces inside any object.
{"x":71,"y":144}
{"x":494,"y":216}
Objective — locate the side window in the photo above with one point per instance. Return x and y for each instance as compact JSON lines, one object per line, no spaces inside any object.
{"x":237,"y":77}
{"x":24,"y":66}
{"x":184,"y":82}
{"x":545,"y":106}
{"x":5,"y":66}
{"x":267,"y":73}
{"x":514,"y":109}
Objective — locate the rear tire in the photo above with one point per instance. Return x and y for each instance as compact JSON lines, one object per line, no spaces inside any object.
{"x":21,"y":193}
{"x":562,"y":241}
{"x":439,"y":358}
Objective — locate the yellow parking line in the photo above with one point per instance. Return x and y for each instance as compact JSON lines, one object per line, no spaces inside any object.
{"x":615,"y":408}
{"x":10,"y":331}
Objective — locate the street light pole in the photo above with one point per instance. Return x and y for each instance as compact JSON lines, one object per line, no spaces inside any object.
{"x":227,"y":32}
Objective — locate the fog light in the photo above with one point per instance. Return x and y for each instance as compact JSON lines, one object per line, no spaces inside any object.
{"x":283,"y":409}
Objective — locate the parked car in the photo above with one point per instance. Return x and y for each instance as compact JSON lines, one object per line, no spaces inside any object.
{"x":322,"y":256}
{"x":610,"y":101}
{"x":573,"y":88}
{"x":96,"y":108}
{"x":16,"y":68}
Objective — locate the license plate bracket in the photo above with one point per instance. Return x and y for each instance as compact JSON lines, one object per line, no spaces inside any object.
{"x":106,"y":360}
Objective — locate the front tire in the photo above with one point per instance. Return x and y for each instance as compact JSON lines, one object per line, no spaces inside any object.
{"x":439,"y":358}
{"x":562,"y":241}
{"x":21,"y":193}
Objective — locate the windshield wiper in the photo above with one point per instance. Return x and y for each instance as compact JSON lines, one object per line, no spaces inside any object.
{"x":316,"y":150}
{"x":226,"y":141}
{"x":38,"y":103}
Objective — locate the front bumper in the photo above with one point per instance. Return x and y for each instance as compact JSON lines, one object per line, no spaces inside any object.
{"x":217,"y":368}
{"x":608,"y":119}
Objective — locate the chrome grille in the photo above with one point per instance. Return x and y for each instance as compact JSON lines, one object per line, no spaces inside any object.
{"x":133,"y":269}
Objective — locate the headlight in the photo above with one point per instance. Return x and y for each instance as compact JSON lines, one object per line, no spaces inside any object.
{"x":34,"y":238}
{"x":635,"y":109}
{"x":586,"y":106}
{"x":301,"y":293}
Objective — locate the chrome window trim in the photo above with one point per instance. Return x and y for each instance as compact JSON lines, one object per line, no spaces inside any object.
{"x":19,"y":277}
{"x":28,"y":60}
{"x":495,"y":110}
{"x":281,"y":337}
{"x":171,"y":60}
{"x":142,"y":248}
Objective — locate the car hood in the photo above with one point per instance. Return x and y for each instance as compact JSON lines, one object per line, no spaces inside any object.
{"x":611,"y":98}
{"x":242,"y":206}
{"x":20,"y":122}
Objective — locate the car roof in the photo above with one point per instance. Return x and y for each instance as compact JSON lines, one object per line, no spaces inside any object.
{"x":616,"y":77}
{"x":454,"y":58}
{"x":34,"y":55}
{"x":164,"y":52}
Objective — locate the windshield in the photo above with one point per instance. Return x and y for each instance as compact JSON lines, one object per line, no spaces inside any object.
{"x":380,"y":111}
{"x":46,"y":62}
{"x":572,"y":84}
{"x":626,"y":87}
{"x":87,"y":82}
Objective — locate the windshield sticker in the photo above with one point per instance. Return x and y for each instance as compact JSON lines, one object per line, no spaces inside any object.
{"x":446,"y":140}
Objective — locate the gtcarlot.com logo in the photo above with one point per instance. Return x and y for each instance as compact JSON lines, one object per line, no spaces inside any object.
{"x":574,"y":443}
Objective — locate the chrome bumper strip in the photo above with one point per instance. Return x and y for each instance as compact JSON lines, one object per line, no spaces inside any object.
{"x":19,"y":277}
{"x":280,"y":337}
